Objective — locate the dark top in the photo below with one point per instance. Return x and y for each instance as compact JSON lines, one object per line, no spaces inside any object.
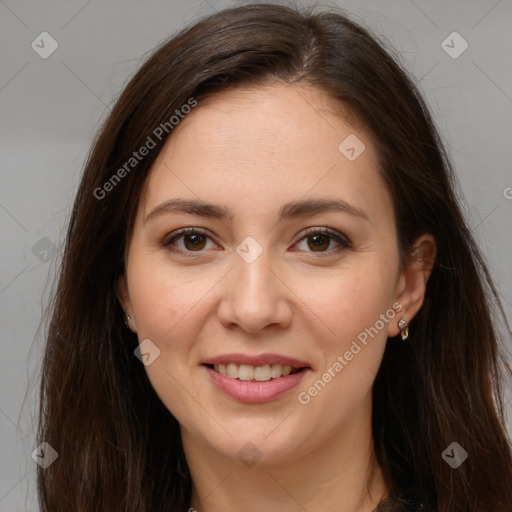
{"x":406,"y":502}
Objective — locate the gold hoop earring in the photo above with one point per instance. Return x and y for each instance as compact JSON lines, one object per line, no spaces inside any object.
{"x":404,"y":329}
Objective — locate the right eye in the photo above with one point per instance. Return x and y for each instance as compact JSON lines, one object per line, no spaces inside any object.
{"x":194,"y":240}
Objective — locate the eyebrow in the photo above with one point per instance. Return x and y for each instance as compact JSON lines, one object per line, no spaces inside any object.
{"x":288,"y":211}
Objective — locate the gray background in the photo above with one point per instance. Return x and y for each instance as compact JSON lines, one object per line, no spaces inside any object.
{"x":50,"y":109}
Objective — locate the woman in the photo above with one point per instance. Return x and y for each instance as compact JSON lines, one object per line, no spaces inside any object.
{"x":269,"y":298}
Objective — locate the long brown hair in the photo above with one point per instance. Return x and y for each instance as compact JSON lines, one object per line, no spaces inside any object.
{"x":119,"y":447}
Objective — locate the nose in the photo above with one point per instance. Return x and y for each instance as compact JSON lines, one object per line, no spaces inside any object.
{"x":255,"y":296}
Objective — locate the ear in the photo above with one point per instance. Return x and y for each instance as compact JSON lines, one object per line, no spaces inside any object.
{"x":123,"y":296}
{"x":413,"y":280}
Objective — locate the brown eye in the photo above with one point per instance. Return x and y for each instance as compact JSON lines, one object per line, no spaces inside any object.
{"x":319,"y":240}
{"x":193,"y":240}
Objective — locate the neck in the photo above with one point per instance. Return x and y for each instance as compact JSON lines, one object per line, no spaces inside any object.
{"x":341,"y":473}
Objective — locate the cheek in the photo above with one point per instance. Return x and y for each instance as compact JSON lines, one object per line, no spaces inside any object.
{"x":162,"y":305}
{"x":350,"y":304}
{"x":171,"y":307}
{"x":351,"y":352}
{"x":356,"y":308}
{"x":169,"y":310}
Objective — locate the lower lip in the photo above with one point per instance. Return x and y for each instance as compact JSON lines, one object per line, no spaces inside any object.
{"x":255,"y":391}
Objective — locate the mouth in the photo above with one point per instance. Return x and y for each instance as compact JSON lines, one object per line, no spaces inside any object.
{"x":247,"y":372}
{"x":255,"y":379}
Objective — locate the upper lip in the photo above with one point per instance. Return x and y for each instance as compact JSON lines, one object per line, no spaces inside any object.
{"x":256,"y":360}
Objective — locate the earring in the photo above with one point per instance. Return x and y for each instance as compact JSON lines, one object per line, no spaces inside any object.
{"x":404,"y":329}
{"x":129,"y":320}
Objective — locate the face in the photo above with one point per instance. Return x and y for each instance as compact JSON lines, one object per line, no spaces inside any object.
{"x":287,"y":276}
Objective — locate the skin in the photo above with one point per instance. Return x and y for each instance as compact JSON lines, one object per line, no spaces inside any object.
{"x":252,"y":150}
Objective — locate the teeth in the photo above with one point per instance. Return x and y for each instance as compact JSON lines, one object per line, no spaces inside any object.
{"x":232,"y":371}
{"x":245,"y":372}
{"x":262,"y":373}
{"x":276,"y":371}
{"x":259,"y":373}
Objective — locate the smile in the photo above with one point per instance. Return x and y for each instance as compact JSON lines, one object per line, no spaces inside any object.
{"x":255,"y":379}
{"x":247,"y":372}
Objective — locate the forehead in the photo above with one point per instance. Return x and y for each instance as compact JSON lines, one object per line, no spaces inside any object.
{"x":268,"y":145}
{"x":289,"y":120}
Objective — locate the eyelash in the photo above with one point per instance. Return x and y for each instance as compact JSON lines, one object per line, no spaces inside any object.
{"x":334,"y":235}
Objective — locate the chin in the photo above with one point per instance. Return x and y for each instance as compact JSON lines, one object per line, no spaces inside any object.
{"x":262,"y":441}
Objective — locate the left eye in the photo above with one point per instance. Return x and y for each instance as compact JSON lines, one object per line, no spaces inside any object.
{"x":321,"y":239}
{"x":194,"y":240}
